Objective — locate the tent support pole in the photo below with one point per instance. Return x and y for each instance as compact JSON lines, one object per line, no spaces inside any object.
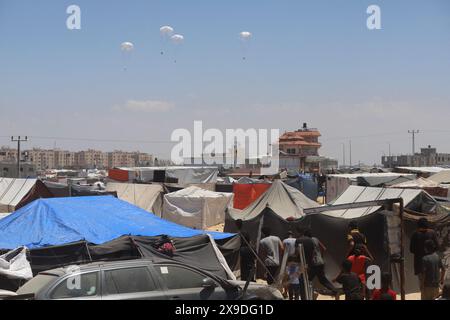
{"x":402,"y":253}
{"x":87,"y":249}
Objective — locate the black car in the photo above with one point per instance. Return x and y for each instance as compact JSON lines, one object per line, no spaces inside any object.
{"x":138,"y":280}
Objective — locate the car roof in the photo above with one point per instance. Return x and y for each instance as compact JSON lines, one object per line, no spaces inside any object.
{"x":102,"y":264}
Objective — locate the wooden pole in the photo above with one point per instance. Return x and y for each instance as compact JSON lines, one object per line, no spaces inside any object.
{"x":402,"y":254}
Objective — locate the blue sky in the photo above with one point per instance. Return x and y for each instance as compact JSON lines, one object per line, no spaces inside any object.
{"x":308,"y":61}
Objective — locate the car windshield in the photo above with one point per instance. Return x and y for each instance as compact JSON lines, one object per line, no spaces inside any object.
{"x":36,"y":284}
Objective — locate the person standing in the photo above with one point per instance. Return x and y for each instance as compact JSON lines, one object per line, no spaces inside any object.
{"x":317,"y":267}
{"x":417,"y":246}
{"x":289,"y":244}
{"x":433,"y":272}
{"x":351,"y":283}
{"x":271,"y":248}
{"x":247,"y":258}
{"x":357,"y":238}
{"x":359,"y":266}
{"x":293,"y":274}
{"x":308,"y":249}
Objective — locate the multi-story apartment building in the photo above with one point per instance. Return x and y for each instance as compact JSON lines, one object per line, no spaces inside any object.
{"x":121,"y":159}
{"x":426,"y":158}
{"x":142,"y":159}
{"x":42,"y":159}
{"x":64,"y":159}
{"x":8,"y":154}
{"x":91,"y":159}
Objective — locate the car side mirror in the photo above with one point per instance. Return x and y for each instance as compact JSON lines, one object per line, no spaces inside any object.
{"x":209,"y":283}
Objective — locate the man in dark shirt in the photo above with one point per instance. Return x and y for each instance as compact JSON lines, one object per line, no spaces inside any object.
{"x":308,"y":248}
{"x":417,"y":245}
{"x":247,"y":258}
{"x":433,"y":272}
{"x":351,"y":284}
{"x":308,"y":245}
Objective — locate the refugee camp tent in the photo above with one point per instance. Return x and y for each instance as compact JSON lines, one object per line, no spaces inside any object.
{"x":285,"y":201}
{"x":15,"y":193}
{"x":422,"y":171}
{"x":430,"y":186}
{"x":338,"y":183}
{"x":70,"y":189}
{"x":331,"y":227}
{"x":62,"y":231}
{"x":416,"y":200}
{"x":201,"y":251}
{"x":246,"y":193}
{"x":181,"y":174}
{"x":306,"y":184}
{"x":145,"y":196}
{"x":442,"y":177}
{"x":97,"y":220}
{"x":195,"y":207}
{"x":417,"y":204}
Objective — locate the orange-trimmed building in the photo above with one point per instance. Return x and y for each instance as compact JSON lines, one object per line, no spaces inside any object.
{"x":299,"y":148}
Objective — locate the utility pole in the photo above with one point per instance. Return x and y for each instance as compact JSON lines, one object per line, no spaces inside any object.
{"x":390,"y":158}
{"x":413,"y":132}
{"x":18,"y":140}
{"x":350,"y":143}
{"x":343,"y":155}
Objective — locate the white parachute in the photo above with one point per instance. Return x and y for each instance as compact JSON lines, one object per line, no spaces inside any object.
{"x":177,"y":38}
{"x":126,"y":48}
{"x":245,"y":37}
{"x":165,"y":33}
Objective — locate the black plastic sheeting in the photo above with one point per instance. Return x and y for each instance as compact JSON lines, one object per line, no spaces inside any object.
{"x":332,"y":232}
{"x":196,"y":251}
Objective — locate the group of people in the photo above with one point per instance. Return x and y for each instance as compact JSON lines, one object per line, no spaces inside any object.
{"x":352,"y":277}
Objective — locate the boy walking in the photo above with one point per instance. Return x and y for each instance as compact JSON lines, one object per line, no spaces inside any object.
{"x":433,"y":272}
{"x":293,"y":273}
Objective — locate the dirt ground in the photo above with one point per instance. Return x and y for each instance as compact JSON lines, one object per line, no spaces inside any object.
{"x":412,"y":296}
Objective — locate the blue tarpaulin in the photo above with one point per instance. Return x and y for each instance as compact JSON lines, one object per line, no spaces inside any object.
{"x":98,"y":219}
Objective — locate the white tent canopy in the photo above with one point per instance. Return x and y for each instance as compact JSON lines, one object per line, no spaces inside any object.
{"x":442,"y":177}
{"x":196,"y":208}
{"x":12,"y":191}
{"x":356,"y":194}
{"x":338,"y":183}
{"x":418,"y":183}
{"x":144,"y":196}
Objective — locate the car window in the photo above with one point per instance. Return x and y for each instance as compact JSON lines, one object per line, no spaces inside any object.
{"x":128,"y":280}
{"x":180,"y":278}
{"x":36,"y":284}
{"x":76,"y":286}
